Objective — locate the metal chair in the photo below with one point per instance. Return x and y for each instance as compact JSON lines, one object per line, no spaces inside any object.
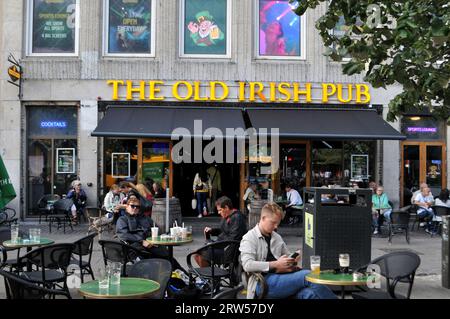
{"x":396,"y":267}
{"x":61,"y":214}
{"x":20,"y":288}
{"x":159,"y":270}
{"x":399,"y":222}
{"x":84,"y":247}
{"x":223,"y":259}
{"x":8,"y":216}
{"x":51,"y":262}
{"x":231,"y":293}
{"x":117,"y":251}
{"x":439,"y":212}
{"x":44,"y":208}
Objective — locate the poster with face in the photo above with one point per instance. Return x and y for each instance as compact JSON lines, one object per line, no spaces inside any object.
{"x":129,"y":27}
{"x":54,"y":26}
{"x":205,"y":27}
{"x":279,"y":29}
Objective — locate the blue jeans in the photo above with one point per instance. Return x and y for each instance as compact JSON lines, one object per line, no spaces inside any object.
{"x":294,"y":283}
{"x":201,"y":201}
{"x":387,"y":217}
{"x":427,"y":214}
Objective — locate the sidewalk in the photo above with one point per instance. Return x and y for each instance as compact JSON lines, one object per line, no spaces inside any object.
{"x":427,"y":282}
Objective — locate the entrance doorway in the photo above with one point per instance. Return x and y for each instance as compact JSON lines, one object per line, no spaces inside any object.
{"x":422,"y":162}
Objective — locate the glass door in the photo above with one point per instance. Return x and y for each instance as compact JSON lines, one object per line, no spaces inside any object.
{"x":423,"y":162}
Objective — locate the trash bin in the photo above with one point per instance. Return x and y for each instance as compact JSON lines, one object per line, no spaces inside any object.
{"x":445,"y":252}
{"x":337,"y":221}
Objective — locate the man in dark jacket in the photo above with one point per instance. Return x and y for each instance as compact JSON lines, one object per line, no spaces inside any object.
{"x":134,"y":228}
{"x":232,"y":227}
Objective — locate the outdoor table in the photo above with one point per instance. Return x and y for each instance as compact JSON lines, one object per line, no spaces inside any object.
{"x":129,"y":288}
{"x":26,"y":243}
{"x":170,"y":244}
{"x":328,"y":277}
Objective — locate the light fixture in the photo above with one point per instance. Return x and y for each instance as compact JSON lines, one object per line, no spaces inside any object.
{"x":415,"y":118}
{"x":327,"y":145}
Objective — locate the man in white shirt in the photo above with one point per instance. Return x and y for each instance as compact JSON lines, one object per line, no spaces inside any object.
{"x":425,"y":200}
{"x":264,"y":251}
{"x":295,"y":202}
{"x":422,"y":186}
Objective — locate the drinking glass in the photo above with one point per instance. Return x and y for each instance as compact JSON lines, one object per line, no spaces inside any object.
{"x":344,"y":262}
{"x":116,"y":269}
{"x":14,"y":233}
{"x":189,"y":232}
{"x":37,"y":235}
{"x":155,"y":231}
{"x":315,"y":264}
{"x":32,"y":235}
{"x":103,"y":278}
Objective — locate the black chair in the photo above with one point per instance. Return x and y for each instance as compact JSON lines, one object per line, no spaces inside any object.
{"x":117,"y":251}
{"x":19,"y":288}
{"x":159,"y":270}
{"x":223,"y":259}
{"x":51,"y":263}
{"x":231,"y":293}
{"x":8,"y":216}
{"x":440,"y":211}
{"x":396,"y":267}
{"x":43,"y":206}
{"x":61,"y":214}
{"x":399,"y":223}
{"x":84,"y":247}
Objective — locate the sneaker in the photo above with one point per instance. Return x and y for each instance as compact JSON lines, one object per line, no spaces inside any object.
{"x":199,"y":216}
{"x":205,"y":212}
{"x":429,"y":231}
{"x":422,"y":224}
{"x":375,"y":232}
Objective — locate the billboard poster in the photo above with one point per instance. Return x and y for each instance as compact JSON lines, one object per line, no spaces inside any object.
{"x":54,"y":26}
{"x":205,"y":27}
{"x":129,"y":26}
{"x":65,"y":160}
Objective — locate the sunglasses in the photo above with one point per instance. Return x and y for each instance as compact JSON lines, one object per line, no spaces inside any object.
{"x":135,"y":206}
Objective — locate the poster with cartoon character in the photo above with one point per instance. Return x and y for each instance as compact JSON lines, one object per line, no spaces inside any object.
{"x":205,"y":27}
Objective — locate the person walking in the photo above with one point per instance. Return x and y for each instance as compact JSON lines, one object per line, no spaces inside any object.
{"x":202,"y":189}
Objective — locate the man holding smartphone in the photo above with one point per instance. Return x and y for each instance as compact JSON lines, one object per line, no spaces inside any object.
{"x":264,"y":251}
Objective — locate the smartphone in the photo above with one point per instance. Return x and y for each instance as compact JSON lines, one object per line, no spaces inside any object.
{"x":294,"y":255}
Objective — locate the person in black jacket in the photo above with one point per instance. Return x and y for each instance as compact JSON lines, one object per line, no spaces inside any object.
{"x":232,"y":227}
{"x":134,"y":228}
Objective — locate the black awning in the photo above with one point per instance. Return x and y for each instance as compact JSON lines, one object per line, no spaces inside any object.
{"x":148,"y":121}
{"x":324,"y":123}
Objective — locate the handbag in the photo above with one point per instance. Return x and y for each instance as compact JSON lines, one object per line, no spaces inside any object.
{"x":194,"y":203}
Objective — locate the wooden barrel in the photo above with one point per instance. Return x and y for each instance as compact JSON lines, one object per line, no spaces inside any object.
{"x":159,"y":212}
{"x":255,"y":212}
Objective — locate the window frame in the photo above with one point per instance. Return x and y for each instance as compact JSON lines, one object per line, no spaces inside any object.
{"x":303,"y":25}
{"x":181,"y":35}
{"x":29,"y":33}
{"x":105,"y":34}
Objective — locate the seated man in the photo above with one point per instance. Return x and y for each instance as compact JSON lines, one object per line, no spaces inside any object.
{"x":232,"y":227}
{"x":425,"y":200}
{"x":134,"y":228}
{"x":263,"y":250}
{"x":294,"y":199}
{"x":380,"y":209}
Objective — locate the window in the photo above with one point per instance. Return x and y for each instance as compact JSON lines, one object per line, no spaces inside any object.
{"x":205,"y":28}
{"x":424,"y":128}
{"x":280,"y":32}
{"x":53,"y":27}
{"x":340,"y":30}
{"x":129,"y":28}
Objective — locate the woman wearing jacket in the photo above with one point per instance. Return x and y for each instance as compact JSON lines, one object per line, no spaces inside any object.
{"x":380,"y":208}
{"x":202,"y":188}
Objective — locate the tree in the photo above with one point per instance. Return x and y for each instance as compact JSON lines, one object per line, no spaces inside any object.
{"x":405,"y":42}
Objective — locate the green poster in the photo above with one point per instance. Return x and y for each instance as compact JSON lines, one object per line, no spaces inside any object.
{"x":205,"y":27}
{"x":54,"y":26}
{"x":309,"y":230}
{"x":153,"y":170}
{"x":7,"y":192}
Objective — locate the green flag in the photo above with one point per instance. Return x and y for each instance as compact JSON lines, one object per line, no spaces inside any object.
{"x":7,"y":192}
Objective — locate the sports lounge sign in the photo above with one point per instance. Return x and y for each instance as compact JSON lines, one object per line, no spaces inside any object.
{"x":216,"y":91}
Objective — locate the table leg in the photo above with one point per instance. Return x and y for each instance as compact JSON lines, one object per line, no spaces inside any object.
{"x":342,"y":292}
{"x":170,"y":248}
{"x":29,"y":263}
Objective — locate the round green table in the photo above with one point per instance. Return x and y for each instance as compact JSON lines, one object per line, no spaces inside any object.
{"x":28,"y":244}
{"x":331,"y":279}
{"x":129,"y":288}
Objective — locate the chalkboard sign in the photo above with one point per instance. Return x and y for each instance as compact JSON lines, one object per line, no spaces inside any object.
{"x":65,"y":160}
{"x":154,"y":171}
{"x":120,"y":165}
{"x":360,"y":167}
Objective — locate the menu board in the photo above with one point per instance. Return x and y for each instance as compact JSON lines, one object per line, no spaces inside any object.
{"x":120,"y":164}
{"x":154,"y":171}
{"x":65,"y":160}
{"x":360,"y":167}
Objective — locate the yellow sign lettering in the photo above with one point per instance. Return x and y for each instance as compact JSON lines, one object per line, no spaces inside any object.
{"x":153,"y":90}
{"x":306,"y":92}
{"x":283,"y":89}
{"x":225,"y":91}
{"x":326,"y":93}
{"x":362,"y":90}
{"x":131,"y":89}
{"x":340,"y":89}
{"x":115,"y":84}
{"x":188,"y":87}
{"x":197,"y":96}
{"x":257,"y":92}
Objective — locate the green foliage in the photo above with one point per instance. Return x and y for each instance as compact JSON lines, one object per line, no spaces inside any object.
{"x":405,"y":42}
